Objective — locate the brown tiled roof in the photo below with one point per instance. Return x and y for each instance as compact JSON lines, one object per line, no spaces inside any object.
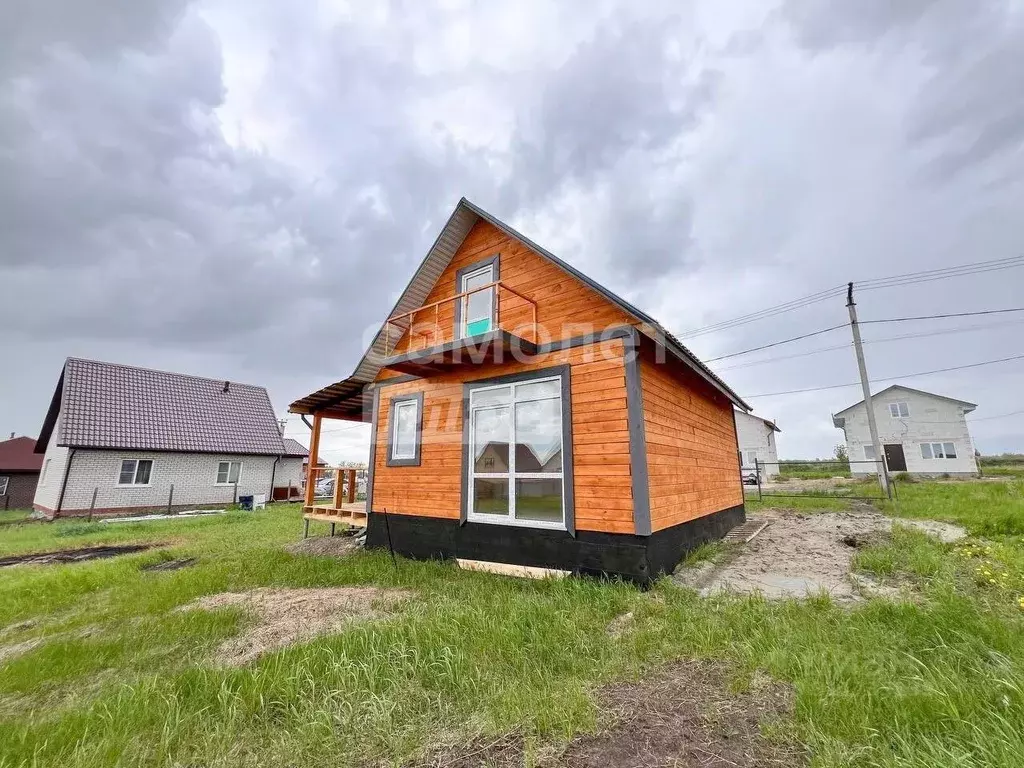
{"x":18,"y":455}
{"x":105,"y":405}
{"x":294,"y":448}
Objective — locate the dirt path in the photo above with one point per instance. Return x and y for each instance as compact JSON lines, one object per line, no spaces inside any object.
{"x":799,"y":555}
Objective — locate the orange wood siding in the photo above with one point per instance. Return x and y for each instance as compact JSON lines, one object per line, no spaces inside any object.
{"x":566,"y":307}
{"x":692,"y":461}
{"x":602,"y":487}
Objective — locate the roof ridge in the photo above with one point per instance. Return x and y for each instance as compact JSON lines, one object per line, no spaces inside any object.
{"x":176,"y":374}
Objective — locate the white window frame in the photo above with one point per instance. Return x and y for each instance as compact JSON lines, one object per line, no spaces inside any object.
{"x":867,"y":457}
{"x":749,"y":459}
{"x":465,"y":320}
{"x":902,"y":410}
{"x":229,"y":482}
{"x":942,"y":449}
{"x":4,"y":482}
{"x":511,"y":476}
{"x":135,"y":473}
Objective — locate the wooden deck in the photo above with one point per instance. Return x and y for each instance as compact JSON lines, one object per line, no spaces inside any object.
{"x":352,"y":514}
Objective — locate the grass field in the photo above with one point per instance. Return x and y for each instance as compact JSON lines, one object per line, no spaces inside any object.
{"x":120,"y":678}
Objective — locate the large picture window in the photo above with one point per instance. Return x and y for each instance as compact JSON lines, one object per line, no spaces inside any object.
{"x":518,"y":453}
{"x":405,"y":427}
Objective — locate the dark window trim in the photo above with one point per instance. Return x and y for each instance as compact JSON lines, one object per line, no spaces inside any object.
{"x":564,"y":372}
{"x":416,"y":397}
{"x":494,"y":261}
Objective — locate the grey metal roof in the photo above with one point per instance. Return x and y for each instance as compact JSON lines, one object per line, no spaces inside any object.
{"x":106,"y":405}
{"x":294,"y":448}
{"x":968,"y":407}
{"x":337,"y":396}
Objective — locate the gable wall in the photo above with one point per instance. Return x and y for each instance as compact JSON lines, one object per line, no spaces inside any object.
{"x":931,"y":419}
{"x":603,"y":485}
{"x":754,"y":435}
{"x":692,"y":464}
{"x":566,"y":307}
{"x":52,"y":474}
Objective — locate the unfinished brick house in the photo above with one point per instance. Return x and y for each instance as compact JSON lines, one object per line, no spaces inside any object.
{"x":522,"y":413}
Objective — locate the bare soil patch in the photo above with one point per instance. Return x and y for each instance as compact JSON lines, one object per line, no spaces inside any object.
{"x":286,"y":616}
{"x":172,"y":565}
{"x":803,"y":554}
{"x":684,"y":715}
{"x":74,"y":555}
{"x":324,"y":546}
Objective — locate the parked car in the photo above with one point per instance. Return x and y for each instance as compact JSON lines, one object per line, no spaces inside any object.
{"x":325,"y":486}
{"x":750,"y":478}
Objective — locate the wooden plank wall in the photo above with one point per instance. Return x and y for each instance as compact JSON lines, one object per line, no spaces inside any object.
{"x":600,"y":440}
{"x":692,"y":462}
{"x":566,"y":307}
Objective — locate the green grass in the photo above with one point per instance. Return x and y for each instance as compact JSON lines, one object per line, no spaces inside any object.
{"x":120,"y":678}
{"x":13,"y":515}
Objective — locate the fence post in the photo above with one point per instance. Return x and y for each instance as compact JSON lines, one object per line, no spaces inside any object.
{"x":92,"y":504}
{"x":170,"y":499}
{"x":757,"y":471}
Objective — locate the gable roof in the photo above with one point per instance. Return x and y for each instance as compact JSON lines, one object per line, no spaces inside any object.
{"x":111,"y":406}
{"x":294,"y":448}
{"x":462,"y":220}
{"x":767,"y":422}
{"x":18,"y":455}
{"x":968,"y":407}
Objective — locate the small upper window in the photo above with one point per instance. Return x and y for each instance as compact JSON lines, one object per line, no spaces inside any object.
{"x":228,"y":472}
{"x":404,"y":430}
{"x":3,"y":485}
{"x":135,"y":472}
{"x":899,"y":410}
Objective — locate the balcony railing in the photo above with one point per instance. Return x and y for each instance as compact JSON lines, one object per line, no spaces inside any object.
{"x":433,"y":334}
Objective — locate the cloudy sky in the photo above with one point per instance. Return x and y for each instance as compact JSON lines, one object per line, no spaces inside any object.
{"x":206,"y":186}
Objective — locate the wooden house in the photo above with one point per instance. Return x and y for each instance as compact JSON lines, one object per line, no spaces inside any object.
{"x":625,"y":449}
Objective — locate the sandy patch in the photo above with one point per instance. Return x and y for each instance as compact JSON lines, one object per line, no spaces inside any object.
{"x":17,"y":649}
{"x":324,"y":546}
{"x":285,"y":616}
{"x":684,"y":715}
{"x":798,"y":555}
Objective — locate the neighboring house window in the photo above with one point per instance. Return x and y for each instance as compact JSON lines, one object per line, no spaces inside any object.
{"x":516,"y":435}
{"x":899,"y":410}
{"x":405,"y":429}
{"x":228,"y":472}
{"x":938,"y":451}
{"x":869,"y":453}
{"x":3,"y":485}
{"x":135,"y":472}
{"x":750,"y":458}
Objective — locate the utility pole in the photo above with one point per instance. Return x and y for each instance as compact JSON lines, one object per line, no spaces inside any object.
{"x":883,"y":477}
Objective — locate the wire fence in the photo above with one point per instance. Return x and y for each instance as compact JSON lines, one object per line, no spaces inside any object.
{"x":824,"y":479}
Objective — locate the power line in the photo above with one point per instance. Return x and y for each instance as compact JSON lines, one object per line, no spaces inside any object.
{"x":920,"y":335}
{"x":887,"y":378}
{"x":777,"y":343}
{"x":909,"y":278}
{"x":942,"y":317}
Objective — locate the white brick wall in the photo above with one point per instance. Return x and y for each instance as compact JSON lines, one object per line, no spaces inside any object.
{"x":755,"y":436}
{"x":931,"y":419}
{"x":54,"y":461}
{"x":289,"y":471}
{"x":193,"y":475}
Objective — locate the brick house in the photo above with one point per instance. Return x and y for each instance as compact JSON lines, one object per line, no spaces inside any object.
{"x":19,"y":472}
{"x":119,"y":439}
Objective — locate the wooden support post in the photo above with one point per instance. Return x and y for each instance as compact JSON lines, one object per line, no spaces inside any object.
{"x":332,"y":530}
{"x":351,"y":497}
{"x":236,"y":493}
{"x":170,"y":499}
{"x":305,"y":528}
{"x":92,"y":504}
{"x":338,"y":477}
{"x":314,"y":450}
